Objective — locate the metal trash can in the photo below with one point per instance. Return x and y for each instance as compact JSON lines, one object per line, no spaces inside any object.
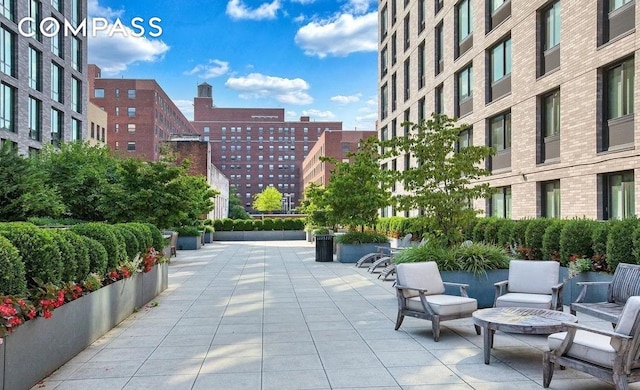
{"x":324,"y":247}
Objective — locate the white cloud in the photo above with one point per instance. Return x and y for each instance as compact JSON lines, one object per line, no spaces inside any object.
{"x":214,"y":68}
{"x":317,"y":114}
{"x":303,"y":1}
{"x":186,"y":106}
{"x":236,"y":9}
{"x":358,"y":6}
{"x":339,"y":36}
{"x":341,"y":99}
{"x":96,"y":10}
{"x":256,"y":86}
{"x":366,"y":122}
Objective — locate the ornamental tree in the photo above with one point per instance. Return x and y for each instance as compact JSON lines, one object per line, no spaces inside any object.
{"x":442,"y":183}
{"x":268,"y":200}
{"x":359,"y":188}
{"x":315,"y":206}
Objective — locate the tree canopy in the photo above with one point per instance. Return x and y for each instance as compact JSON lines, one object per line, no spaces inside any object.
{"x":270,"y":199}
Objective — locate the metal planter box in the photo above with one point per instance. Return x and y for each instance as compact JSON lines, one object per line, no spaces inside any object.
{"x":189,"y":242}
{"x":481,"y":288}
{"x":350,"y":253}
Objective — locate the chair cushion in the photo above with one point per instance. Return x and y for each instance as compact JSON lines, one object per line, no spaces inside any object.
{"x":445,"y":305}
{"x":628,"y":316}
{"x":533,"y":276}
{"x":537,"y":301}
{"x":592,"y":347}
{"x":424,"y":275}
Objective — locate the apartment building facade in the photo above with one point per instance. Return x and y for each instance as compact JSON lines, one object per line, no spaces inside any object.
{"x":336,"y":144}
{"x":257,"y":147}
{"x":141,"y":117}
{"x":42,"y":79}
{"x":549,"y":84}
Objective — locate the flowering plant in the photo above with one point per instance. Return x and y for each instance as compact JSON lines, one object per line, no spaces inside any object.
{"x":578,"y":264}
{"x":13,"y":312}
{"x":151,"y":258}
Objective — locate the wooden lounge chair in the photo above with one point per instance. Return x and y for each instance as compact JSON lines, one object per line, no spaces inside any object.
{"x":532,"y":283}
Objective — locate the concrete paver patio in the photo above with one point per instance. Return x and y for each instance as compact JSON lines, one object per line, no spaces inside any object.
{"x":265,"y":315}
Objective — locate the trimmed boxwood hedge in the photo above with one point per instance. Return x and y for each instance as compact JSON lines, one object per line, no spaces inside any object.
{"x":131,"y":243}
{"x":534,"y":234}
{"x":67,"y":254}
{"x":98,"y":256}
{"x":157,"y":240}
{"x":107,"y":236}
{"x":142,"y":233}
{"x":13,"y":280}
{"x":40,"y":254}
{"x":576,"y":239}
{"x":620,"y":242}
{"x":80,"y":252}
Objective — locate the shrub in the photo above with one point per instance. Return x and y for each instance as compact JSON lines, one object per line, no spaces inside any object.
{"x":491,"y":230}
{"x":143,"y":235}
{"x":293,"y":224}
{"x":467,"y":229}
{"x":444,"y":257}
{"x":418,"y":226}
{"x":321,"y":231}
{"x":478,"y":230}
{"x":107,"y":236}
{"x":208,"y":222}
{"x":575,"y":239}
{"x":158,"y":242}
{"x":188,"y":231}
{"x":98,"y":256}
{"x":40,"y":254}
{"x":80,"y":251}
{"x":505,"y":232}
{"x":217,"y":224}
{"x":227,"y":225}
{"x":257,"y":224}
{"x":480,"y":258}
{"x":620,"y":242}
{"x":13,"y":280}
{"x":534,"y":234}
{"x":209,"y":229}
{"x":551,"y":241}
{"x":278,"y":224}
{"x":354,"y":237}
{"x":132,"y":246}
{"x":243,"y":224}
{"x":518,"y":235}
{"x":67,"y":254}
{"x":267,"y":224}
{"x":599,"y":235}
{"x":47,"y":221}
{"x":382,"y":225}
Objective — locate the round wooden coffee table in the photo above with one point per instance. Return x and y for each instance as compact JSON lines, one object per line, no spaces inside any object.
{"x":518,"y":320}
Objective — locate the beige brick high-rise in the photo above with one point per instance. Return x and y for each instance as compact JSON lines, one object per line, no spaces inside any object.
{"x":553,"y":79}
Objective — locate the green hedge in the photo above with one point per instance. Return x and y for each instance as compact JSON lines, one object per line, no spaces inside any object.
{"x":98,"y":256}
{"x":142,"y":233}
{"x":576,"y":239}
{"x":188,"y":231}
{"x":551,"y":241}
{"x":67,"y":254}
{"x":533,"y":236}
{"x":355,"y":237}
{"x":13,"y":280}
{"x":107,"y":236}
{"x":39,"y":252}
{"x":620,"y":242}
{"x":131,"y":244}
{"x":80,"y":252}
{"x":268,"y":224}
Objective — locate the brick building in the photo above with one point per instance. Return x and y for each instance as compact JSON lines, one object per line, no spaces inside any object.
{"x":140,"y":114}
{"x":334,"y":144}
{"x":42,"y":79}
{"x":256,"y":147}
{"x":549,"y":84}
{"x":97,"y":119}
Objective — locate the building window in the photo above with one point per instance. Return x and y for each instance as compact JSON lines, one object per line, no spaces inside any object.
{"x":57,"y":44}
{"x":207,"y":129}
{"x":131,"y":127}
{"x":439,"y":99}
{"x":550,"y":56}
{"x":500,"y":127}
{"x":384,"y":101}
{"x":499,"y":11}
{"x":438,"y":5}
{"x":131,"y":146}
{"x":131,"y":112}
{"x":383,"y":23}
{"x":407,"y":79}
{"x":35,"y":124}
{"x":501,"y":203}
{"x":98,"y":93}
{"x":76,"y":95}
{"x":76,"y":54}
{"x":56,"y":4}
{"x":7,"y":57}
{"x":618,"y":18}
{"x":394,"y":92}
{"x":57,"y":126}
{"x":422,"y":59}
{"x":131,"y":93}
{"x":34,"y":14}
{"x":551,"y":199}
{"x":550,"y":126}
{"x":7,"y":8}
{"x":465,"y":91}
{"x":57,"y":83}
{"x":619,"y":105}
{"x":7,"y":100}
{"x":619,"y":189}
{"x":35,"y":66}
{"x":421,"y":14}
{"x":464,"y":30}
{"x":407,"y":32}
{"x":383,"y":62}
{"x":465,"y":140}
{"x":439,"y":48}
{"x":76,"y":129}
{"x":117,"y":92}
{"x":394,"y":49}
{"x":501,"y":69}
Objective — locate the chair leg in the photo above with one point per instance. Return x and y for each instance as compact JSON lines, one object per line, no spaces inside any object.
{"x":435,"y":325}
{"x":547,"y":369}
{"x":399,"y":319}
{"x":477,"y":330}
{"x":620,"y":381}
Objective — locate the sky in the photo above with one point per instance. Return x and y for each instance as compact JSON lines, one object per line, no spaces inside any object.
{"x":314,"y":58}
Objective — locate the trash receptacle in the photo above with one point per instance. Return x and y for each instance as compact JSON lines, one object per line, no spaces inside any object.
{"x":324,"y":247}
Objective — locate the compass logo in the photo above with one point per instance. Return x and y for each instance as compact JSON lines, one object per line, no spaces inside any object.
{"x":50,"y":27}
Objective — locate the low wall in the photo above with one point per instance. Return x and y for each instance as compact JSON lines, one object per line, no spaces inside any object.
{"x":260,"y":235}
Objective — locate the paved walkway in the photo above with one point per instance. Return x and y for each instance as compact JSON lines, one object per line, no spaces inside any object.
{"x":266,"y":316}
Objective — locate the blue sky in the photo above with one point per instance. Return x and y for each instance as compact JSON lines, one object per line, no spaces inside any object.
{"x":310,"y":57}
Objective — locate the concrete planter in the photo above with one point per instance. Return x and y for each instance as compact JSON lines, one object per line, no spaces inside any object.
{"x":208,"y":237}
{"x":480,"y":288}
{"x":40,"y":346}
{"x":350,"y":253}
{"x":572,"y":290}
{"x":189,"y":242}
{"x":260,"y":235}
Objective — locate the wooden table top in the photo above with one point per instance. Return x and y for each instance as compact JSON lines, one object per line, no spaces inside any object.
{"x":522,"y":317}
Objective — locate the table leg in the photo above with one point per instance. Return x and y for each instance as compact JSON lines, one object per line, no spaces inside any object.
{"x":487,"y":336}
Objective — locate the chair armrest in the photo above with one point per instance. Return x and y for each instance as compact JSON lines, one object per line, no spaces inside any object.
{"x":604,"y":332}
{"x":572,"y":327}
{"x":463,"y":287}
{"x":500,"y":289}
{"x":556,"y":297}
{"x":419,"y":290}
{"x":585,"y":286}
